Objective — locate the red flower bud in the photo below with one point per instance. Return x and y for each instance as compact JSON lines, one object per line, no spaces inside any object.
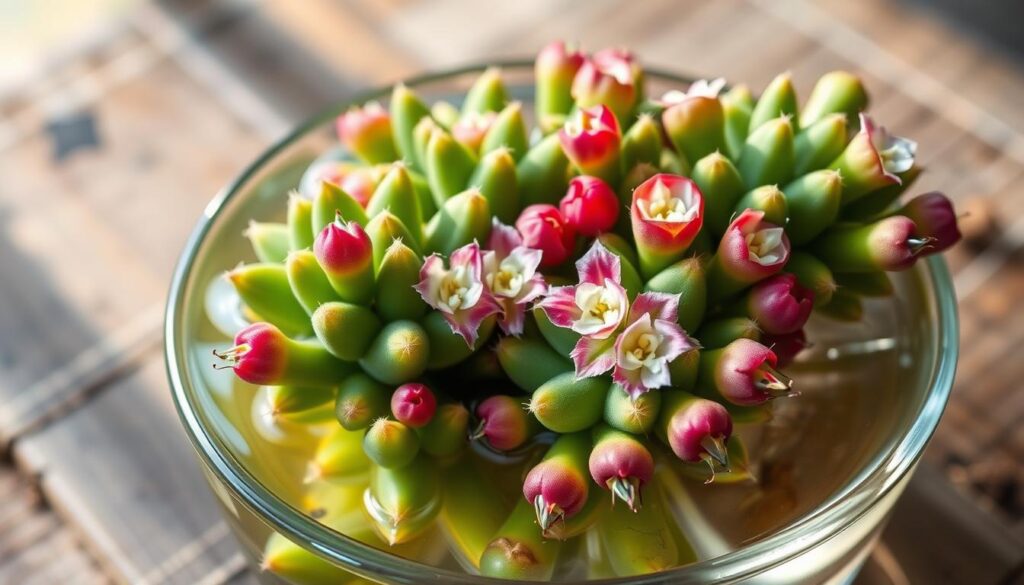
{"x":786,"y":347}
{"x":413,"y":404}
{"x":667,"y":212}
{"x":744,"y":373}
{"x":591,"y":140}
{"x":697,"y":425}
{"x":933,"y":217}
{"x":503,"y":422}
{"x":366,"y":131}
{"x":779,"y":305}
{"x":259,"y":354}
{"x":543,"y":228}
{"x":556,"y":60}
{"x":343,"y":248}
{"x":609,"y":77}
{"x":590,"y":206}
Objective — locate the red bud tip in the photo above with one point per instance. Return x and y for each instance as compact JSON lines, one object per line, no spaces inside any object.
{"x":543,"y":228}
{"x":753,"y":249}
{"x":786,"y":347}
{"x":667,"y":212}
{"x":343,"y":248}
{"x":503,"y":423}
{"x":746,"y":374}
{"x":590,"y":206}
{"x":562,"y":491}
{"x":608,"y":77}
{"x":413,"y":404}
{"x":894,"y":243}
{"x":258,"y":355}
{"x":934,"y":219}
{"x":698,"y":426}
{"x":471,"y":129}
{"x":779,"y":305}
{"x":591,"y":137}
{"x":557,"y":58}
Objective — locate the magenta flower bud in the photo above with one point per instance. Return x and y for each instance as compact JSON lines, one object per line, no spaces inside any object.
{"x":591,"y":140}
{"x":786,"y":347}
{"x":345,"y":253}
{"x":413,"y":404}
{"x":873,"y":159}
{"x":259,"y":354}
{"x":779,"y":305}
{"x":366,"y":131}
{"x":590,"y":206}
{"x":888,"y":244}
{"x":503,"y":423}
{"x":744,"y":373}
{"x":610,"y":77}
{"x":554,"y":70}
{"x":750,"y":250}
{"x":666,"y":213}
{"x":934,"y":218}
{"x":543,"y":228}
{"x":697,"y":429}
{"x":558,"y":486}
{"x":622,"y":464}
{"x":471,"y":129}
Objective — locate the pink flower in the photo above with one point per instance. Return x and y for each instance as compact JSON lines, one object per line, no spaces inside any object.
{"x":458,"y":292}
{"x":594,"y":308}
{"x":511,"y":275}
{"x":590,"y":206}
{"x":651,"y":340}
{"x":896,"y":154}
{"x":591,"y":140}
{"x":667,"y":213}
{"x":543,"y":228}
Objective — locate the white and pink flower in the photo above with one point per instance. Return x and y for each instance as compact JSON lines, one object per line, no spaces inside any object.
{"x":651,"y":340}
{"x":511,"y":275}
{"x":458,"y":292}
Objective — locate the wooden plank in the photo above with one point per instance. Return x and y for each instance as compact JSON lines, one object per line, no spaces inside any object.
{"x":133,"y":490}
{"x":93,"y":255}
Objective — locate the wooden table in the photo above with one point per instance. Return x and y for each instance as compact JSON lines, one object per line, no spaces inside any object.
{"x":102,"y":485}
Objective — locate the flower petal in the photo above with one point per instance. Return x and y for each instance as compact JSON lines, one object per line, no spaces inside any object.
{"x":593,"y":357}
{"x":631,"y":381}
{"x":560,"y":305}
{"x":598,"y":265}
{"x":469,"y":256}
{"x":466,"y":323}
{"x":512,"y":317}
{"x":659,"y":305}
{"x":503,"y":239}
{"x":431,"y":274}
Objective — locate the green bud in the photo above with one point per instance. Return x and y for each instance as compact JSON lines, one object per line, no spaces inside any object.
{"x":406,"y":111}
{"x":674,"y":163}
{"x":403,"y":502}
{"x":427,"y":206}
{"x":813,"y":274}
{"x":766,"y":198}
{"x":877,"y":203}
{"x":399,"y":272}
{"x":530,"y":363}
{"x":684,"y":370}
{"x":696,"y":127}
{"x":645,"y":541}
{"x":270,"y":241}
{"x":384,"y":229}
{"x":778,"y":99}
{"x":462,"y":219}
{"x":722,"y":187}
{"x":496,"y":179}
{"x":487,"y":93}
{"x":543,"y":172}
{"x":361,"y":400}
{"x":390,"y":443}
{"x":346,"y":330}
{"x":473,"y":511}
{"x":449,"y":166}
{"x":845,"y":306}
{"x":564,"y":404}
{"x":819,"y":145}
{"x":641,"y":143}
{"x":339,"y":458}
{"x":866,"y":284}
{"x":737,"y":105}
{"x":813,"y":202}
{"x":836,"y":92}
{"x":508,"y":131}
{"x":768,"y":156}
{"x":687,"y":279}
{"x":331,"y":202}
{"x":561,"y":339}
{"x":629,"y":415}
{"x":445,"y":434}
{"x":447,"y":348}
{"x":398,"y":354}
{"x":721,"y":332}
{"x":445,"y":113}
{"x":300,"y":404}
{"x":421,"y":134}
{"x":308,"y":282}
{"x":397,"y":194}
{"x":265,"y":290}
{"x":518,"y":550}
{"x":300,"y":222}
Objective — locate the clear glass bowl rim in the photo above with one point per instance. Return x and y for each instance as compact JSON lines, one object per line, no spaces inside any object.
{"x":873,"y":482}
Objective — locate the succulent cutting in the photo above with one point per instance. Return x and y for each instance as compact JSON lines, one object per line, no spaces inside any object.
{"x":576,"y":303}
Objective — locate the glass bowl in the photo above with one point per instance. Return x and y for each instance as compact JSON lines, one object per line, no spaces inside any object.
{"x":901,"y":359}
